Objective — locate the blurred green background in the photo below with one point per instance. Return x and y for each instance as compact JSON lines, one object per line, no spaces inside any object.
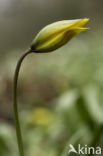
{"x":61,"y":93}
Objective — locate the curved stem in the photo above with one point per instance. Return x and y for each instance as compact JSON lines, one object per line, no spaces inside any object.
{"x":15,"y":108}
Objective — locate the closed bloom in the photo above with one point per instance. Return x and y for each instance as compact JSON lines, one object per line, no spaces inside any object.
{"x":57,"y":34}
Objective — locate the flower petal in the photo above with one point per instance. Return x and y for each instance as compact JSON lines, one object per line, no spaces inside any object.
{"x":57,"y":34}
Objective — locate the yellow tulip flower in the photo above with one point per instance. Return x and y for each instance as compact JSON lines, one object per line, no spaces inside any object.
{"x":57,"y":34}
{"x":41,"y":116}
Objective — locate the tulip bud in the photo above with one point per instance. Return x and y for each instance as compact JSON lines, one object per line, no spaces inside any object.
{"x":57,"y":34}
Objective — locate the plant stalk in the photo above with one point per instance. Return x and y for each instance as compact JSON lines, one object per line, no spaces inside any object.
{"x":15,"y":107}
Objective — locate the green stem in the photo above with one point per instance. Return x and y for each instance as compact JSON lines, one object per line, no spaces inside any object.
{"x":15,"y":107}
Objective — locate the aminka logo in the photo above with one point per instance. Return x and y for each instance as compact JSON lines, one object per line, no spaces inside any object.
{"x":84,"y":150}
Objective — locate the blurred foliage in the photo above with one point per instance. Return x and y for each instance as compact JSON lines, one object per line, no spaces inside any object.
{"x":60,"y":97}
